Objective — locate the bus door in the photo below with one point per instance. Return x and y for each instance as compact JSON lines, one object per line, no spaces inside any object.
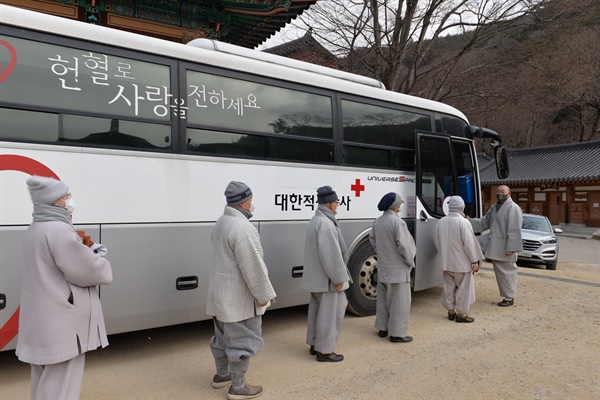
{"x":435,"y":181}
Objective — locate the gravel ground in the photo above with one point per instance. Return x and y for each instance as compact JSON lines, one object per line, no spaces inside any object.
{"x":547,"y":346}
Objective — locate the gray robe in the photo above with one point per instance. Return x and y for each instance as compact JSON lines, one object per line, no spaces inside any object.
{"x":505,"y":236}
{"x":61,"y":315}
{"x":395,"y":248}
{"x":505,"y":231}
{"x":239,"y":278}
{"x":325,"y":257}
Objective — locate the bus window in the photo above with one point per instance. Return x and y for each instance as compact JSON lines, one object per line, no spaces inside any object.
{"x":225,"y":144}
{"x":114,"y":132}
{"x":258,"y":147}
{"x":376,"y":125}
{"x":73,"y":129}
{"x":436,"y":170}
{"x":453,"y":126}
{"x":19,"y":125}
{"x":70,"y":80}
{"x":234,"y":104}
{"x":465,"y":169}
{"x":379,"y":158}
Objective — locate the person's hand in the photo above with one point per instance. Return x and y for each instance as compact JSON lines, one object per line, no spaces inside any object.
{"x":264,"y":304}
{"x":99,"y":249}
{"x":339,"y":287}
{"x":475,"y":266}
{"x":509,"y":253}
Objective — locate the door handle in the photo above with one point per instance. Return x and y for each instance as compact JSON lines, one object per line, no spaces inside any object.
{"x":424,"y":217}
{"x":186,"y":282}
{"x":2,"y":301}
{"x":297,"y":271}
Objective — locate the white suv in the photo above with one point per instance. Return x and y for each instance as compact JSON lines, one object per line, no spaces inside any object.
{"x":539,"y":241}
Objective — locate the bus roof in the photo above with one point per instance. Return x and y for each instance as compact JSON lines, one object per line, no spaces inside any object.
{"x":220,"y":55}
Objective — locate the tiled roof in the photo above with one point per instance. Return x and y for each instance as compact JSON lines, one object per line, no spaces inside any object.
{"x":576,"y":162}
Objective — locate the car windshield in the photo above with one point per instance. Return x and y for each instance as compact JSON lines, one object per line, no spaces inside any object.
{"x":536,"y":224}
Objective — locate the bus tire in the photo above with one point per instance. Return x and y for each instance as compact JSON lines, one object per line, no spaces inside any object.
{"x":362,"y":293}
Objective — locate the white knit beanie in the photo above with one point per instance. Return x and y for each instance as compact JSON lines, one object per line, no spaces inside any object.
{"x":456,"y":203}
{"x":46,"y":190}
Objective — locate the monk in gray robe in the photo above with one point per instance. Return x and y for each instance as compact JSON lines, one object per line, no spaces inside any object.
{"x":504,"y":220}
{"x":396,"y":250}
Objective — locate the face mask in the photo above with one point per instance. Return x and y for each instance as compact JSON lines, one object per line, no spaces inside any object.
{"x":502,"y":197}
{"x":70,"y":206}
{"x":252,"y":208}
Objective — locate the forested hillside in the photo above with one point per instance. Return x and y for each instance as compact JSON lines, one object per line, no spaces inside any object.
{"x":539,"y":83}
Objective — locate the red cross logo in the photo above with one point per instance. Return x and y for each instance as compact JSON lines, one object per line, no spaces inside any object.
{"x":357,"y":188}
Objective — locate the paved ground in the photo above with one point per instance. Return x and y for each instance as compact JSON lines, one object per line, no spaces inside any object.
{"x":545,"y":347}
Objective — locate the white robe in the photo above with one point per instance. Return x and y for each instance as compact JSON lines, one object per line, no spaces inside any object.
{"x":457,"y":244}
{"x":458,"y":249}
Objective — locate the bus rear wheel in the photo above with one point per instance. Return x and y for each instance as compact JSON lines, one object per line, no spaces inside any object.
{"x":362,"y":294}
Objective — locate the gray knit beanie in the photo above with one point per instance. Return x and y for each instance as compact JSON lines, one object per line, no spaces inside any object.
{"x":237,"y":192}
{"x":456,"y":204}
{"x":46,"y":190}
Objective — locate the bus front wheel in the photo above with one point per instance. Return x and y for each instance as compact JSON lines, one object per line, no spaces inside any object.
{"x":362,"y":293}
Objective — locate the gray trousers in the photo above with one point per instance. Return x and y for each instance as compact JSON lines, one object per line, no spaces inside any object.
{"x":459,"y":291}
{"x":506,"y":277}
{"x":232,"y":346}
{"x":325,"y":317}
{"x":58,"y":381}
{"x":393,"y":307}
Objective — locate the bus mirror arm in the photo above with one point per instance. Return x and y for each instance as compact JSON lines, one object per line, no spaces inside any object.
{"x":479,"y":132}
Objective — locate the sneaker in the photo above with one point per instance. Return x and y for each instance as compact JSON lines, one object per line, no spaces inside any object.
{"x":247,"y":392}
{"x":220,"y":381}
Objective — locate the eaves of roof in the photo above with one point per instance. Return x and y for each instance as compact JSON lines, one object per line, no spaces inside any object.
{"x":578,"y":162}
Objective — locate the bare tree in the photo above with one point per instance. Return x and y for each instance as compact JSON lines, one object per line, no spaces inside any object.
{"x":544,"y":87}
{"x":395,"y":40}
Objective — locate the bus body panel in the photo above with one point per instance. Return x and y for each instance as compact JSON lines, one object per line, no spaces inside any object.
{"x":154,"y":207}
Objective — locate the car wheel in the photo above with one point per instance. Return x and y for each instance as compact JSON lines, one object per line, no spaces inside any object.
{"x":362,"y":293}
{"x":552,"y":265}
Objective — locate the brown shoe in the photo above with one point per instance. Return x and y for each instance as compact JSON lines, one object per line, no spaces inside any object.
{"x":219,"y":381}
{"x":247,"y":392}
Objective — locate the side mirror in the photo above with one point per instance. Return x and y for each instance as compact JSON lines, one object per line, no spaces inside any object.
{"x":501,"y":162}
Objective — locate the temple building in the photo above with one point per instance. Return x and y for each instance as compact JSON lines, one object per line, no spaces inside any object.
{"x":246,"y":23}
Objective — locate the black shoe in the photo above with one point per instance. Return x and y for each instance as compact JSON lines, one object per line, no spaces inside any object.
{"x":464,"y":318}
{"x":383,"y":333}
{"x":451,"y":315}
{"x":397,"y":339}
{"x":506,"y":303}
{"x":312,"y":351}
{"x":329,"y":357}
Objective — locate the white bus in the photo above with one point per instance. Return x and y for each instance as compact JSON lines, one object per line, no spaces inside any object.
{"x":147,"y":133}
